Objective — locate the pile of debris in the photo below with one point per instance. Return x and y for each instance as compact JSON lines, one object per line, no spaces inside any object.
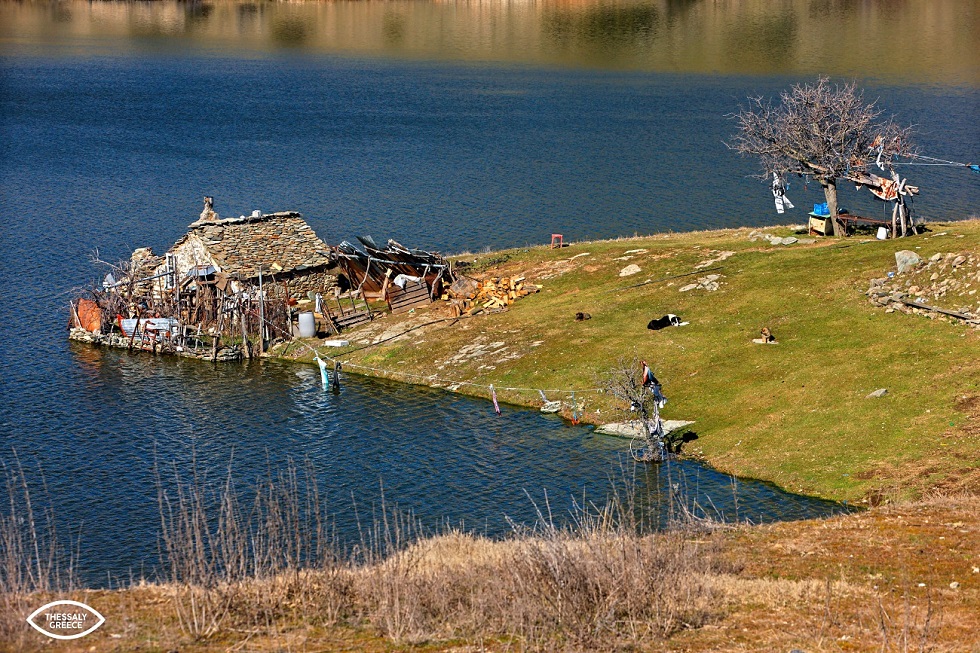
{"x":944,"y":286}
{"x":469,"y":296}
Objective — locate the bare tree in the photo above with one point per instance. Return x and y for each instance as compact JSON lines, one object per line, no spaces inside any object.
{"x":642,"y":405}
{"x":821,"y":130}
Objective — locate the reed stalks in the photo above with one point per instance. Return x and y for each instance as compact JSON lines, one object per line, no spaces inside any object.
{"x":32,"y":562}
{"x":602,"y":581}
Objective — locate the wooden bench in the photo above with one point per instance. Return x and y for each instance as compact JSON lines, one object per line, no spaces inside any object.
{"x":849,"y":220}
{"x":821,"y":223}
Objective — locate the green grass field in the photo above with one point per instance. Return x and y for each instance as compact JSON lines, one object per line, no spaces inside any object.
{"x":795,"y":413}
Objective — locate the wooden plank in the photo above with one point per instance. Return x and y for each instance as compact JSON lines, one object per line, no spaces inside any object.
{"x":915,"y":304}
{"x":352,"y":320}
{"x":409,"y":297}
{"x":400,"y":301}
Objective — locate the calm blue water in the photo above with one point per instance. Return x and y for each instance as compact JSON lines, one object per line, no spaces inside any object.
{"x":115,"y":152}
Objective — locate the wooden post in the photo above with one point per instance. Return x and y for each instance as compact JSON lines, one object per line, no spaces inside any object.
{"x":432,"y":291}
{"x":74,"y":313}
{"x":245,"y":343}
{"x":132,"y":336}
{"x":384,"y":287}
{"x":217,"y":329}
{"x":261,"y":315}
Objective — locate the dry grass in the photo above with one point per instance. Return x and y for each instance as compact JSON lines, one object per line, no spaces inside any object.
{"x":877,"y":581}
{"x":267,"y":567}
{"x":32,"y":561}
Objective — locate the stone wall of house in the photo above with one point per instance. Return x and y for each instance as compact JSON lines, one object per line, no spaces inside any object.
{"x":320,"y":281}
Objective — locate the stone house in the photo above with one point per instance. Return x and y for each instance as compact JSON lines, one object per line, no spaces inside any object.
{"x":231,"y":250}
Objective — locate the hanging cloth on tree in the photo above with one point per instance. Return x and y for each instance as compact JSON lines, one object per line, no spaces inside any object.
{"x":779,"y":194}
{"x":647,"y":378}
{"x":493,"y":394}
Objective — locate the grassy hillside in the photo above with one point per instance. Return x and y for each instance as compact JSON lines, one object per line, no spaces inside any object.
{"x":795,"y":413}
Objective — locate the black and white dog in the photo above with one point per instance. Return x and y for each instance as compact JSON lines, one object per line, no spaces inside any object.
{"x":666,"y":321}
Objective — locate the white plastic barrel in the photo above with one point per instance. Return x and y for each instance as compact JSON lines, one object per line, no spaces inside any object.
{"x":307,"y":325}
{"x":882,"y":233}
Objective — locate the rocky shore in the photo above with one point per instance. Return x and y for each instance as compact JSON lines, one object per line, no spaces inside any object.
{"x":115,"y":340}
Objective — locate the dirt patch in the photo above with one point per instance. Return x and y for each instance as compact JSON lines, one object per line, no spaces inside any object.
{"x":968,"y":404}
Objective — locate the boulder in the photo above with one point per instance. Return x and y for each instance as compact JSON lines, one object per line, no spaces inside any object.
{"x":906,"y":260}
{"x":635,"y":428}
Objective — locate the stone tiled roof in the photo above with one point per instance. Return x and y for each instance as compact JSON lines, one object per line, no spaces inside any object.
{"x":282,"y":239}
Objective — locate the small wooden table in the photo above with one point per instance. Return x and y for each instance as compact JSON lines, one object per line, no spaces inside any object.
{"x":849,"y":220}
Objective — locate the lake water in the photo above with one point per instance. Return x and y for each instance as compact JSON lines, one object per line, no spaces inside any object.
{"x":450,"y":126}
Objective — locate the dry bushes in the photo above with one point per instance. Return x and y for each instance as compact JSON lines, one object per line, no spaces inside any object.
{"x":596,"y":585}
{"x":269,"y":565}
{"x":560,"y":589}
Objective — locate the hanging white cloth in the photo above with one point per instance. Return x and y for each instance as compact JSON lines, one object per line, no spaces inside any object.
{"x":779,"y":194}
{"x":403,"y":279}
{"x":324,"y":374}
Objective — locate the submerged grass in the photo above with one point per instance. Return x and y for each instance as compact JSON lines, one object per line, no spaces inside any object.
{"x":795,"y":413}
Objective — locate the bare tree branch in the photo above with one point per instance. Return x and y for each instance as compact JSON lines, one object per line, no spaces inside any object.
{"x":820,"y":130}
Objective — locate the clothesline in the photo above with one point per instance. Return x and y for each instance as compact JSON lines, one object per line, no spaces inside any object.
{"x":935,"y":161}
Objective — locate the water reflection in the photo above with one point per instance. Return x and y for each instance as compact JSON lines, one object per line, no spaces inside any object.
{"x":915,"y":40}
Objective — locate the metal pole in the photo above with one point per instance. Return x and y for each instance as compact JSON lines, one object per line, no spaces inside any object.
{"x":261,"y":314}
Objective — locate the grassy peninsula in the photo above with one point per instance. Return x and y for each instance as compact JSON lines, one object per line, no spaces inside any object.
{"x":796,"y":413}
{"x":897,"y":577}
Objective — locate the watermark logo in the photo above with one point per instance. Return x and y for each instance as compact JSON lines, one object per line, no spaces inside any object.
{"x":65,"y":620}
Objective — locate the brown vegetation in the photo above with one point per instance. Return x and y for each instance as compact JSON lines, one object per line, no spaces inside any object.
{"x":896,"y":578}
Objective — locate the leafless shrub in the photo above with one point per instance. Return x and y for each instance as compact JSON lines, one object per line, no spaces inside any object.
{"x":248,"y":562}
{"x":640,"y":403}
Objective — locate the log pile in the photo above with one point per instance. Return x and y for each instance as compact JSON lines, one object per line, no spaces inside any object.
{"x":470,"y":296}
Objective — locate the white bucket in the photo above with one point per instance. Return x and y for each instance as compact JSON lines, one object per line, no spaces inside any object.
{"x":882,"y":233}
{"x":307,"y":325}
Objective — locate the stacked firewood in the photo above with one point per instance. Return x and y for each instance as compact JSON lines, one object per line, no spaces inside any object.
{"x":470,"y":296}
